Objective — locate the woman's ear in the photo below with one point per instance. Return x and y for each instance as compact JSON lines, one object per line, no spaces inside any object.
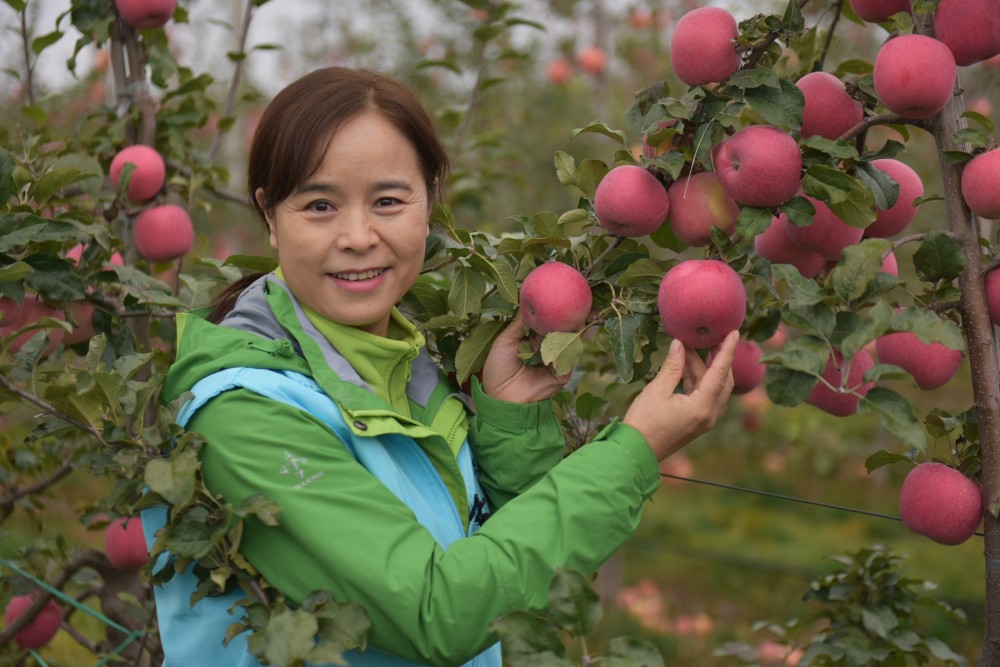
{"x":268,"y":217}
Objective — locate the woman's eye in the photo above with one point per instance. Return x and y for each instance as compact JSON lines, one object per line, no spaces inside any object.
{"x":321,"y":206}
{"x":386,"y":201}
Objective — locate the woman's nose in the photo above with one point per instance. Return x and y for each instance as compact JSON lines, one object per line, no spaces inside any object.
{"x":358,"y":232}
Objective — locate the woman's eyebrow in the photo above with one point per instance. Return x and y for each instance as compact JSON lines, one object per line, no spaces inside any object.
{"x":329,"y":188}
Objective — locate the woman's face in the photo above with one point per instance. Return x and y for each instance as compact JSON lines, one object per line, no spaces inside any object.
{"x":350,"y":239}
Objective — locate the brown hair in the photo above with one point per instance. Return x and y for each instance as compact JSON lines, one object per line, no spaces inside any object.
{"x":296,"y":127}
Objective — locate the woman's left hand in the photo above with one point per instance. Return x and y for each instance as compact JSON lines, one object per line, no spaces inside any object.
{"x":506,"y":378}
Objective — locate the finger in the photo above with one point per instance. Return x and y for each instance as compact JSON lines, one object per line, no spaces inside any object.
{"x":719,"y":374}
{"x":672,"y":369}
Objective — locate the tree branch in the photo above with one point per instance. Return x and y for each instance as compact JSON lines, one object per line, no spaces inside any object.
{"x":49,"y":409}
{"x":221,"y":193}
{"x":7,"y":501}
{"x":829,"y":35}
{"x":29,"y":78}
{"x":758,"y":51}
{"x":881,"y":119}
{"x":234,"y":85}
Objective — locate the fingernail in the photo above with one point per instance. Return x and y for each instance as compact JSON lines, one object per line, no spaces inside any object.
{"x":675,"y":348}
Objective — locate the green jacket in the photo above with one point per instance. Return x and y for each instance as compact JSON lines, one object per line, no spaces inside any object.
{"x":346,"y":533}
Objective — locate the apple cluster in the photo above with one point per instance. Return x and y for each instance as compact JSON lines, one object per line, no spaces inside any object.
{"x":160,"y":232}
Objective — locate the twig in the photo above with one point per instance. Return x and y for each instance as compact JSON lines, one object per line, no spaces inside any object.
{"x":829,"y":35}
{"x":29,"y":79}
{"x":234,"y":85}
{"x":49,"y":409}
{"x":617,"y":242}
{"x":7,"y":502}
{"x":221,"y":193}
{"x":881,"y":119}
{"x":758,"y":51}
{"x":903,"y":240}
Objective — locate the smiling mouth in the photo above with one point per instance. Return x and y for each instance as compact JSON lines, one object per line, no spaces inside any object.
{"x":353,"y":276}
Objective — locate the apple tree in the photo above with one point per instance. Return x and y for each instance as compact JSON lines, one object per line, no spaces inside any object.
{"x":791,"y":170}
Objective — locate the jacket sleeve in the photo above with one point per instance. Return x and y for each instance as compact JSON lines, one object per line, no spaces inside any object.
{"x":343,"y":531}
{"x":514,"y":444}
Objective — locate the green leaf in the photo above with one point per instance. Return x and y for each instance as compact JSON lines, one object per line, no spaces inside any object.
{"x":883,"y":458}
{"x":641,"y":272}
{"x":54,"y":180}
{"x":817,"y":319}
{"x":7,"y":186}
{"x":600,"y":127}
{"x":623,"y":330}
{"x":573,"y":605}
{"x":753,"y":221}
{"x":803,"y":291}
{"x":884,"y":188}
{"x":15,"y":272}
{"x":562,"y":351}
{"x":858,"y":268}
{"x":53,"y":278}
{"x":501,"y":272}
{"x":929,"y":327}
{"x":290,"y":637}
{"x":787,"y":387}
{"x":530,"y":641}
{"x":474,"y":348}
{"x":841,"y":150}
{"x":467,"y":291}
{"x":42,"y":42}
{"x":565,"y":168}
{"x":939,"y":257}
{"x":782,"y":107}
{"x":174,"y":478}
{"x":576,"y":221}
{"x":253,"y":263}
{"x":804,"y":354}
{"x":631,"y":652}
{"x":589,"y":406}
{"x":855,"y":330}
{"x":190,"y":538}
{"x":896,"y":414}
{"x":799,"y":211}
{"x":261,"y":507}
{"x":589,"y":175}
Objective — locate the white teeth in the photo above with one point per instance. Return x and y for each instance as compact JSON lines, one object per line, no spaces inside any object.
{"x":359,"y":276}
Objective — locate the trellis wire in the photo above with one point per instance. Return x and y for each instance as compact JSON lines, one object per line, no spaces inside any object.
{"x":794,"y":499}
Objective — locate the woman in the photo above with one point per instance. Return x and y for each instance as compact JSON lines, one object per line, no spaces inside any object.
{"x":312,"y":389}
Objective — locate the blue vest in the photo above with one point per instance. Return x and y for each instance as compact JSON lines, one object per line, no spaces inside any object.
{"x":193,"y":636}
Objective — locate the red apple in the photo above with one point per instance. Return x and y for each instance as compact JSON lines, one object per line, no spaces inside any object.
{"x":827,"y":235}
{"x":41,"y":629}
{"x":775,"y":246}
{"x":893,"y":220}
{"x":125,"y":545}
{"x":701,"y":301}
{"x":969,"y":28}
{"x":593,"y":60}
{"x":844,"y":401}
{"x":15,"y":316}
{"x":146,"y":14}
{"x":760,"y":165}
{"x":914,"y":75}
{"x":555,"y":297}
{"x":930,"y":364}
{"x":879,"y":11}
{"x":703,"y":48}
{"x":163,"y":233}
{"x":981,"y":184}
{"x":890,"y":265}
{"x":630,"y":201}
{"x":149,"y":173}
{"x":559,"y":72}
{"x":941,"y":503}
{"x":697,"y":204}
{"x":748,"y":371}
{"x":991,"y":285}
{"x":829,"y":111}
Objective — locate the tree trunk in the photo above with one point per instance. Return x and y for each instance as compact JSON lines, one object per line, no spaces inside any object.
{"x":983,"y":360}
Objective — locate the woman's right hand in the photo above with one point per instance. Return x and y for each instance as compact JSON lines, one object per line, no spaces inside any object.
{"x":670,"y":420}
